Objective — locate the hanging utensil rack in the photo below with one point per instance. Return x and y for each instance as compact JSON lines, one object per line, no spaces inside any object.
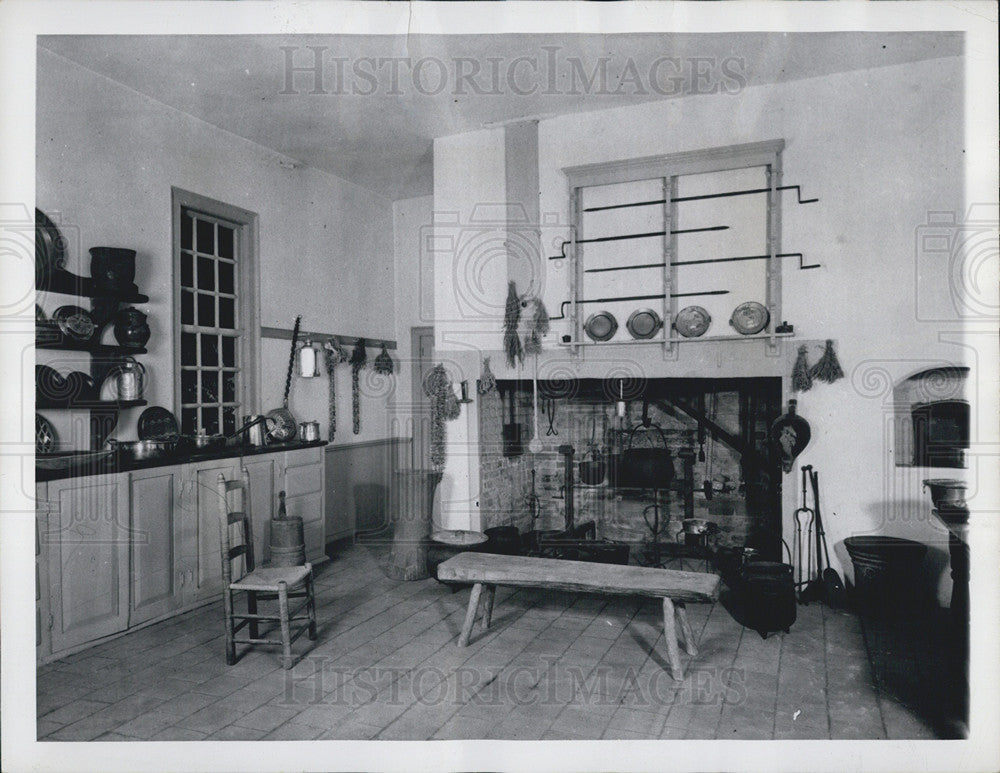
{"x":799,"y":255}
{"x":703,"y":196}
{"x":286,"y":335}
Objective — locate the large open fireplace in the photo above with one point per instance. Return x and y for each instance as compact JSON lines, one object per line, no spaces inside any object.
{"x":701,"y":446}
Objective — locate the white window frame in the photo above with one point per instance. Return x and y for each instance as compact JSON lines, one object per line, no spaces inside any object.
{"x":247,"y":290}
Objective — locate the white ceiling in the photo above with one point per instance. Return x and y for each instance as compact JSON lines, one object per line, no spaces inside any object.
{"x":383,"y":141}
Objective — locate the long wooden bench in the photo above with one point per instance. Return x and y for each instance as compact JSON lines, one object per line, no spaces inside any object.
{"x":674,"y":587}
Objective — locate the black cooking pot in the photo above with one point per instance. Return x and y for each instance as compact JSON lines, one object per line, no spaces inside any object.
{"x":646,"y":467}
{"x":505,"y":540}
{"x":768,"y":594}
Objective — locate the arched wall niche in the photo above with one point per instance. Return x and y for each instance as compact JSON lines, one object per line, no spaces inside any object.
{"x":931,"y":411}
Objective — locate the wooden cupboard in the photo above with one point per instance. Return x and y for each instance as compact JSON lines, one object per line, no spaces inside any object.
{"x":86,"y":546}
{"x":121,"y":550}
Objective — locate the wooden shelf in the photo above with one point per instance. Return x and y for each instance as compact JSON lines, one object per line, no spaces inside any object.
{"x":61,"y":281}
{"x":87,"y":405}
{"x":679,"y":340}
{"x":53,"y":338}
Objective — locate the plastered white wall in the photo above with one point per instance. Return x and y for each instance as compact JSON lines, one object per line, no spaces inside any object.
{"x":107,"y":158}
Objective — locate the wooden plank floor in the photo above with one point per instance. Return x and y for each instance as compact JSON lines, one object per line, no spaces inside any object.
{"x":553,"y":666}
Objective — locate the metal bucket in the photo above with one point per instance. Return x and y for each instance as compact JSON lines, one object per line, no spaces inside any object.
{"x":886,"y":573}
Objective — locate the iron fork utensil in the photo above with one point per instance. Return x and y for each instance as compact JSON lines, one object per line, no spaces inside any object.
{"x":803,"y":521}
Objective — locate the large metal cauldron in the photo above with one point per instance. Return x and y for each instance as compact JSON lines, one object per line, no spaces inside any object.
{"x":645,"y":467}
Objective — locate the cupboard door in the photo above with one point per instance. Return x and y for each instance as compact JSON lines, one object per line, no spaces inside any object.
{"x":157,"y":573}
{"x":86,"y":542}
{"x":263,"y":502}
{"x":201,"y":551}
{"x":41,"y":572}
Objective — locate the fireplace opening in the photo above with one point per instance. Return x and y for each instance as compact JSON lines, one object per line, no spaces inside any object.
{"x":647,"y":457}
{"x":940,"y":433}
{"x":931,"y":415}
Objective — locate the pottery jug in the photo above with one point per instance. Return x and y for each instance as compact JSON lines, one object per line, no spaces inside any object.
{"x":131,"y":328}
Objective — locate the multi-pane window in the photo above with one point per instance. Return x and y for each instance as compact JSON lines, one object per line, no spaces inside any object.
{"x":210,"y":329}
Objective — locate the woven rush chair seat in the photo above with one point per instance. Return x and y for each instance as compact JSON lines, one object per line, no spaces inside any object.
{"x":267,"y":578}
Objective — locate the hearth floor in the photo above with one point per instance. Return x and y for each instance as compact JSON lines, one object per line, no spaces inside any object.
{"x":553,"y":666}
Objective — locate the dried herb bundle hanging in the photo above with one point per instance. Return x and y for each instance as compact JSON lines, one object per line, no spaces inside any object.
{"x":358,"y":359}
{"x":801,"y":380}
{"x":511,"y":318}
{"x":539,"y":327}
{"x":828,"y":367}
{"x":383,"y":363}
{"x":444,"y":407}
{"x":487,"y":381}
{"x":335,"y":355}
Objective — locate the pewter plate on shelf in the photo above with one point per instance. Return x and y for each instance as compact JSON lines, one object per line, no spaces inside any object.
{"x":75,"y":322}
{"x":600,"y":326}
{"x":749,"y":318}
{"x":157,"y":423}
{"x":643,"y":323}
{"x":692,"y":321}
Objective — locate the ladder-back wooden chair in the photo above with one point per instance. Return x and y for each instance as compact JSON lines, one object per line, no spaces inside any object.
{"x":260,"y":583}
